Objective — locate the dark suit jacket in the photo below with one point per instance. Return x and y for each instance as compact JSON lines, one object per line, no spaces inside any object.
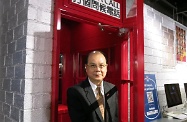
{"x":83,"y":106}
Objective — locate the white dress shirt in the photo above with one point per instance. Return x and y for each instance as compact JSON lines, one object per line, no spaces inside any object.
{"x":95,"y":86}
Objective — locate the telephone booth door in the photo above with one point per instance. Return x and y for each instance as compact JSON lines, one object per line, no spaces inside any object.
{"x":77,"y":39}
{"x":75,"y":35}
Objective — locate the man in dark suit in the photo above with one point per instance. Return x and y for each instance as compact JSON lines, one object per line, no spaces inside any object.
{"x":83,"y":105}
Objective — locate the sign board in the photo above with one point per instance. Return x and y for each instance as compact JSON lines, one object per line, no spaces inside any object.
{"x":152,"y":108}
{"x":106,"y":12}
{"x":108,"y":7}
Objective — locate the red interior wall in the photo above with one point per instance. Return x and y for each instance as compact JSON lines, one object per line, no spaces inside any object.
{"x":79,"y":38}
{"x":85,"y":36}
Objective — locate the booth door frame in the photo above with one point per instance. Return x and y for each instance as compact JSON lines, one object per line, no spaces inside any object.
{"x":136,"y":78}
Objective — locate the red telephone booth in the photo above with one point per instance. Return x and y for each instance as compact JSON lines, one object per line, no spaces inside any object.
{"x":83,"y":26}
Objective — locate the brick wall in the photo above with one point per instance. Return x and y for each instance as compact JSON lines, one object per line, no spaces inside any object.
{"x":38,"y":61}
{"x":25,"y":60}
{"x":12,"y":56}
{"x":160,"y":54}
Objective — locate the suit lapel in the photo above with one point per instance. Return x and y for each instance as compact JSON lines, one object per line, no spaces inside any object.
{"x":107,"y":89}
{"x":91,"y":98}
{"x":107,"y":92}
{"x":89,"y":93}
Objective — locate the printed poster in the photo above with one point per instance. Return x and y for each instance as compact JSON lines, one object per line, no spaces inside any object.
{"x":181,"y":44}
{"x":152,"y":108}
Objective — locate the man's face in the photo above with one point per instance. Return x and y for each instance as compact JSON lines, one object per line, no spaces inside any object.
{"x":96,"y":68}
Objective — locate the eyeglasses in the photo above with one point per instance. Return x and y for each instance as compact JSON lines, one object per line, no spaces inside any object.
{"x":94,"y":66}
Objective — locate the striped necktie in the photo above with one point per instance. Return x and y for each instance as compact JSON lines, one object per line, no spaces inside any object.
{"x":100,"y":101}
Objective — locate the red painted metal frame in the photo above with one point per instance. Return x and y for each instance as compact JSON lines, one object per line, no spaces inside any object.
{"x":132,"y":62}
{"x":137,"y":67}
{"x":138,"y":89}
{"x":136,"y":80}
{"x":124,"y":83}
{"x":55,"y":63}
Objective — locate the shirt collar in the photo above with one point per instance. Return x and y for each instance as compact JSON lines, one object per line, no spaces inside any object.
{"x":95,"y":86}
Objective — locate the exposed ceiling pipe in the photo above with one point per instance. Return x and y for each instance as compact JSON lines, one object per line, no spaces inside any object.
{"x":166,"y":2}
{"x":169,"y":4}
{"x":181,"y":12}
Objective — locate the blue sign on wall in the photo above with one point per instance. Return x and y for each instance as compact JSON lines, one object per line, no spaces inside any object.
{"x":152,"y":108}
